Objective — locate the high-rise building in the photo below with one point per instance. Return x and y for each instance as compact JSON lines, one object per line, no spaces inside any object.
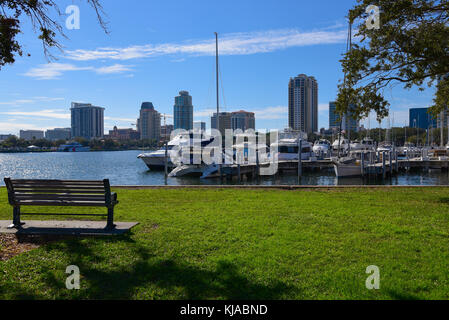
{"x":224,"y":121}
{"x":421,"y":118}
{"x":243,"y":120}
{"x":31,"y":134}
{"x":149,"y":123}
{"x":58,"y":134}
{"x":303,"y":104}
{"x":166,"y":131}
{"x":87,"y":121}
{"x":334,"y":119}
{"x":199,"y":126}
{"x":348,"y":121}
{"x":183,"y":111}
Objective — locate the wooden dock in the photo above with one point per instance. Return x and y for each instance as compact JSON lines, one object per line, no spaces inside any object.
{"x":382,"y":168}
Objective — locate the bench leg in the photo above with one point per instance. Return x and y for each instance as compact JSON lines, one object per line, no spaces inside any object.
{"x":110,"y":225}
{"x":16,"y":224}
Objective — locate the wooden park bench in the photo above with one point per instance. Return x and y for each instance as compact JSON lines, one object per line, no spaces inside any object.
{"x":64,"y":193}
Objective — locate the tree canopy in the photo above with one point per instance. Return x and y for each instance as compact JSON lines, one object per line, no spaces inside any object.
{"x":46,"y":26}
{"x":411,"y":48}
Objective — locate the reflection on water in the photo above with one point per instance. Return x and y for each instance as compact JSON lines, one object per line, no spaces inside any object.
{"x":123,"y":168}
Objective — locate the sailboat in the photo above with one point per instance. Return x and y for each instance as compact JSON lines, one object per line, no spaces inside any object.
{"x":202,"y":170}
{"x":346,"y":166}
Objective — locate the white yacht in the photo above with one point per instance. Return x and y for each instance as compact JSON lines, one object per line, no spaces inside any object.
{"x":347,"y":167}
{"x":409,"y":150}
{"x":321,"y":147}
{"x":206,"y":171}
{"x":384,"y":147}
{"x":202,"y":170}
{"x":155,"y":160}
{"x":344,"y":144}
{"x":288,"y":149}
{"x":366,"y":144}
{"x":73,"y":147}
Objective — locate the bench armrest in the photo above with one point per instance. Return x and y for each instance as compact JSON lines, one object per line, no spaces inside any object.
{"x":114,"y":197}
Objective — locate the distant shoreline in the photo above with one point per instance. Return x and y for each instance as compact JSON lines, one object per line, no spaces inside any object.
{"x":54,"y":151}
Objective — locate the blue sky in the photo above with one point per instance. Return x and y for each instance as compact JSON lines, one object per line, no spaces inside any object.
{"x":157,"y":48}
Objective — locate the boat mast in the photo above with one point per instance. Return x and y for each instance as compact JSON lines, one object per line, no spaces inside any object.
{"x":348,"y":49}
{"x":216,"y":68}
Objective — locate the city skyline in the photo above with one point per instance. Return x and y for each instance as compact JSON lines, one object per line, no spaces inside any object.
{"x":149,"y":59}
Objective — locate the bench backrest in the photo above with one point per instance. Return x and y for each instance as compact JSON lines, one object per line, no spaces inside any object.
{"x":58,"y":192}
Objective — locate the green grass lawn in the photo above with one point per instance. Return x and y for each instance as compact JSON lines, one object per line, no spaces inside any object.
{"x":250,"y":244}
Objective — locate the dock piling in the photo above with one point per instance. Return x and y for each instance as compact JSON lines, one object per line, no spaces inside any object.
{"x":166,"y":161}
{"x":300,"y":159}
{"x":362,"y":167}
{"x":390,"y":161}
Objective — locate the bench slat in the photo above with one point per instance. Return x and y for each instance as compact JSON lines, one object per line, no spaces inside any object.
{"x":61,"y":203}
{"x":60,"y":197}
{"x":57,"y":186}
{"x":56,"y":191}
{"x":87,"y":182}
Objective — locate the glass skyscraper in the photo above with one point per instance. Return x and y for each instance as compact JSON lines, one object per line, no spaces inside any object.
{"x":303,"y":104}
{"x":87,"y":121}
{"x":348,"y":122}
{"x":421,"y":118}
{"x":183,"y":111}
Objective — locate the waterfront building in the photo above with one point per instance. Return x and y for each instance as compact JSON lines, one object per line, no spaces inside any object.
{"x":421,"y":118}
{"x":87,"y":121}
{"x":303,"y":104}
{"x":58,"y":134}
{"x":31,"y":134}
{"x":4,"y":137}
{"x":149,"y":123}
{"x":334,"y":119}
{"x":199,"y":126}
{"x":348,"y":121}
{"x":183,"y":111}
{"x":224,"y":120}
{"x":243,"y":120}
{"x":123,"y":134}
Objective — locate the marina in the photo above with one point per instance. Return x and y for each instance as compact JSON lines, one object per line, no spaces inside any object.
{"x":124,"y":168}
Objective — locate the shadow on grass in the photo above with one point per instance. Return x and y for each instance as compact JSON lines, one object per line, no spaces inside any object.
{"x":146,"y":276}
{"x":397,"y":295}
{"x":444,"y":200}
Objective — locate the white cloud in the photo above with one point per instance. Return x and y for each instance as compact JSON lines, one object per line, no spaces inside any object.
{"x":271,"y":113}
{"x":230,"y":44}
{"x":204,"y":113}
{"x":12,"y":127}
{"x":121,"y":119}
{"x":52,"y":70}
{"x":323,"y":107}
{"x":55,"y":70}
{"x":29,"y":101}
{"x":116,"y":68}
{"x":53,"y":114}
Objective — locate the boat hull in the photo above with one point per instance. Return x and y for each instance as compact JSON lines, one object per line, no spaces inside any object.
{"x":187,"y":170}
{"x":347,"y":170}
{"x":156,"y":163}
